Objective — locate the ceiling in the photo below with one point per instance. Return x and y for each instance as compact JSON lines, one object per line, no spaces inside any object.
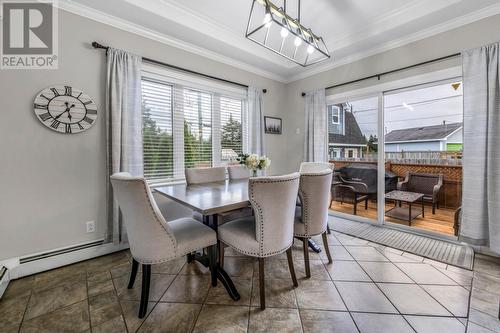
{"x":352,"y":29}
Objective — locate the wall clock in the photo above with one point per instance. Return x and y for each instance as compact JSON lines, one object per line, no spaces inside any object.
{"x":65,"y":109}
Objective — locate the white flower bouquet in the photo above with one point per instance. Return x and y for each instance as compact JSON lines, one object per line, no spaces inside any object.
{"x":254,"y":162}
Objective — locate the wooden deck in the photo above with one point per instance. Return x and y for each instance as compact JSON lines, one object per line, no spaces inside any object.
{"x":441,"y":222}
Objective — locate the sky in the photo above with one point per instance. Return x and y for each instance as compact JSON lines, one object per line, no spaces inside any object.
{"x":411,"y":108}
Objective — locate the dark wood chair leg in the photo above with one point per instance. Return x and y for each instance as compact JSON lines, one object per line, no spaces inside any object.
{"x":306,"y":256}
{"x":146,"y":281}
{"x":433,"y":208}
{"x":325,"y":245}
{"x":262,"y":287}
{"x":291,"y":267}
{"x":366,"y":203}
{"x":133,"y":274}
{"x":212,"y":263}
{"x":221,"y":248}
{"x":328,"y":228}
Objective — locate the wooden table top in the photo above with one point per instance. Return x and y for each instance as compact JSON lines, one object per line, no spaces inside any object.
{"x":209,"y":198}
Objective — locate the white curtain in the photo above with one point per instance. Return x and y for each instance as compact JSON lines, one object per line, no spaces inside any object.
{"x":315,"y":149}
{"x":124,"y":127}
{"x":255,"y":121}
{"x":481,"y":161}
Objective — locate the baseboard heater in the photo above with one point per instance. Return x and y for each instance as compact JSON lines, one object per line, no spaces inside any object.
{"x":53,"y":253}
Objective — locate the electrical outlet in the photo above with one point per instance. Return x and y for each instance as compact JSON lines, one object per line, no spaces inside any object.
{"x":90,"y":226}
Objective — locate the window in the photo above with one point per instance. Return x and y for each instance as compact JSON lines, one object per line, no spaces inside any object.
{"x":187,"y":124}
{"x":335,"y":114}
{"x":157,"y":130}
{"x":232,"y":129}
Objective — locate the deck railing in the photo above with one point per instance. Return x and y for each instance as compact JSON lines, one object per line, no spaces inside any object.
{"x":411,"y":157}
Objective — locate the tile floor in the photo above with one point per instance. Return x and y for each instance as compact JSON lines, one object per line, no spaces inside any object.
{"x":368,"y":288}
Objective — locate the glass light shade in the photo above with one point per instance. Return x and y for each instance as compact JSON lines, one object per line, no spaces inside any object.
{"x":284,"y":32}
{"x":297,"y":41}
{"x":267,"y":18}
{"x":310,"y":49}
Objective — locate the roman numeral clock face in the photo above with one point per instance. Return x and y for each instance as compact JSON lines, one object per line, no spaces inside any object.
{"x":65,"y":109}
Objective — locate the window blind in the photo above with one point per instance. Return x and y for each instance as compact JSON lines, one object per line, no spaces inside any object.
{"x":157,"y":130}
{"x":189,"y":124}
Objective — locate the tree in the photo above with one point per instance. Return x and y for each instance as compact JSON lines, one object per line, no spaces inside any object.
{"x":372,"y":143}
{"x":231,"y":135}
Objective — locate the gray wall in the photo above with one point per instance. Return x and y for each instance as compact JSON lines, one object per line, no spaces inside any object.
{"x":473,"y":35}
{"x":50,"y":183}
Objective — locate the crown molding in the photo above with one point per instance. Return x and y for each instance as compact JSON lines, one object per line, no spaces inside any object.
{"x":426,"y":33}
{"x":99,"y":16}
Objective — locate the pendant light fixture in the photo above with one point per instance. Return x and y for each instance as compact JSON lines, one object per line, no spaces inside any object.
{"x":270,"y":26}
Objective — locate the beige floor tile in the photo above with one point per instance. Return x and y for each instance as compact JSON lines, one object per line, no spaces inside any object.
{"x":425,"y":274}
{"x":219,"y":295}
{"x":170,"y":267}
{"x":130,"y":311}
{"x":49,"y":300}
{"x":230,"y":319}
{"x":346,"y":271}
{"x":411,"y":299}
{"x":115,"y":325}
{"x":108,"y":262}
{"x":73,"y":318}
{"x":365,"y":253}
{"x":274,"y":320}
{"x":194,"y":268}
{"x":381,"y":323}
{"x":318,"y":270}
{"x":103,"y":308}
{"x":318,"y":295}
{"x":485,"y":301}
{"x":340,"y":253}
{"x":384,"y":272}
{"x":158,"y":286}
{"x":279,"y":293}
{"x":484,"y":320}
{"x":19,"y":287}
{"x":239,"y":267}
{"x":171,"y":317}
{"x":364,"y":297}
{"x":435,"y":324}
{"x":12,"y":310}
{"x":314,"y":321}
{"x":188,"y":289}
{"x":453,"y":298}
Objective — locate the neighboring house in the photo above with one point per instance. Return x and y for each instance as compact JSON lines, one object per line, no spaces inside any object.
{"x":345,"y":139}
{"x":446,"y":137}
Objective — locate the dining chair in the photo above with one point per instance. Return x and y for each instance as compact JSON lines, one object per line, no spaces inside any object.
{"x":312,"y":167}
{"x":270,"y":231}
{"x":238,"y":172}
{"x":153,"y":240}
{"x":311,"y":217}
{"x":205,"y":175}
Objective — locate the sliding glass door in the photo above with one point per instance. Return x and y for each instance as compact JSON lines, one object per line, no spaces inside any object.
{"x":397,"y":156}
{"x":352,"y":148}
{"x":423,"y":148}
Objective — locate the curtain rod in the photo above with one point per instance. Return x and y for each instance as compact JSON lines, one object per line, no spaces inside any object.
{"x":377,"y":76}
{"x":96,"y":45}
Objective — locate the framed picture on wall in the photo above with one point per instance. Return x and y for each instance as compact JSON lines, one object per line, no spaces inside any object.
{"x":272,"y":125}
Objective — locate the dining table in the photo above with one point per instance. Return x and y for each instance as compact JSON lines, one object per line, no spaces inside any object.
{"x":211,"y":200}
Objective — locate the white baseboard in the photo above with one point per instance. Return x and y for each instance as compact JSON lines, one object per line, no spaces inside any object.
{"x":40,"y":262}
{"x":4,"y":279}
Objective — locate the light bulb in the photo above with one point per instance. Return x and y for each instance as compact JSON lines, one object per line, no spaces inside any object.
{"x":297,"y":41}
{"x":310,"y":49}
{"x":267,"y":18}
{"x":284,"y":32}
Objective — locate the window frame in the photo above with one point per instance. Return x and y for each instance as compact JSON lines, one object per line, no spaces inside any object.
{"x":179,"y":83}
{"x":335,"y":107}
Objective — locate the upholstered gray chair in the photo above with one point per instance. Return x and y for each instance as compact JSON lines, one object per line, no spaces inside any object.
{"x":153,"y":240}
{"x":205,"y":175}
{"x":238,"y":172}
{"x":312,"y":216}
{"x":270,"y":231}
{"x":312,"y":167}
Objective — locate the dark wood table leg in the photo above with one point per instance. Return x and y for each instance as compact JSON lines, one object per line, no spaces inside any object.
{"x":409,"y":214}
{"x":423,"y":211}
{"x":222,"y":276}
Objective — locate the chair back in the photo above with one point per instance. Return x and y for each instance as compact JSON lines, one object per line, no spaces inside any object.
{"x":314,"y":194}
{"x":313,"y":167}
{"x":238,"y":172}
{"x":150,"y":238}
{"x":273,"y":201}
{"x":423,"y":182}
{"x":205,"y":175}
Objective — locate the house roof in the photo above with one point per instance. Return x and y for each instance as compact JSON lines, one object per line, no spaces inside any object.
{"x":353,"y":134}
{"x":427,"y":133}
